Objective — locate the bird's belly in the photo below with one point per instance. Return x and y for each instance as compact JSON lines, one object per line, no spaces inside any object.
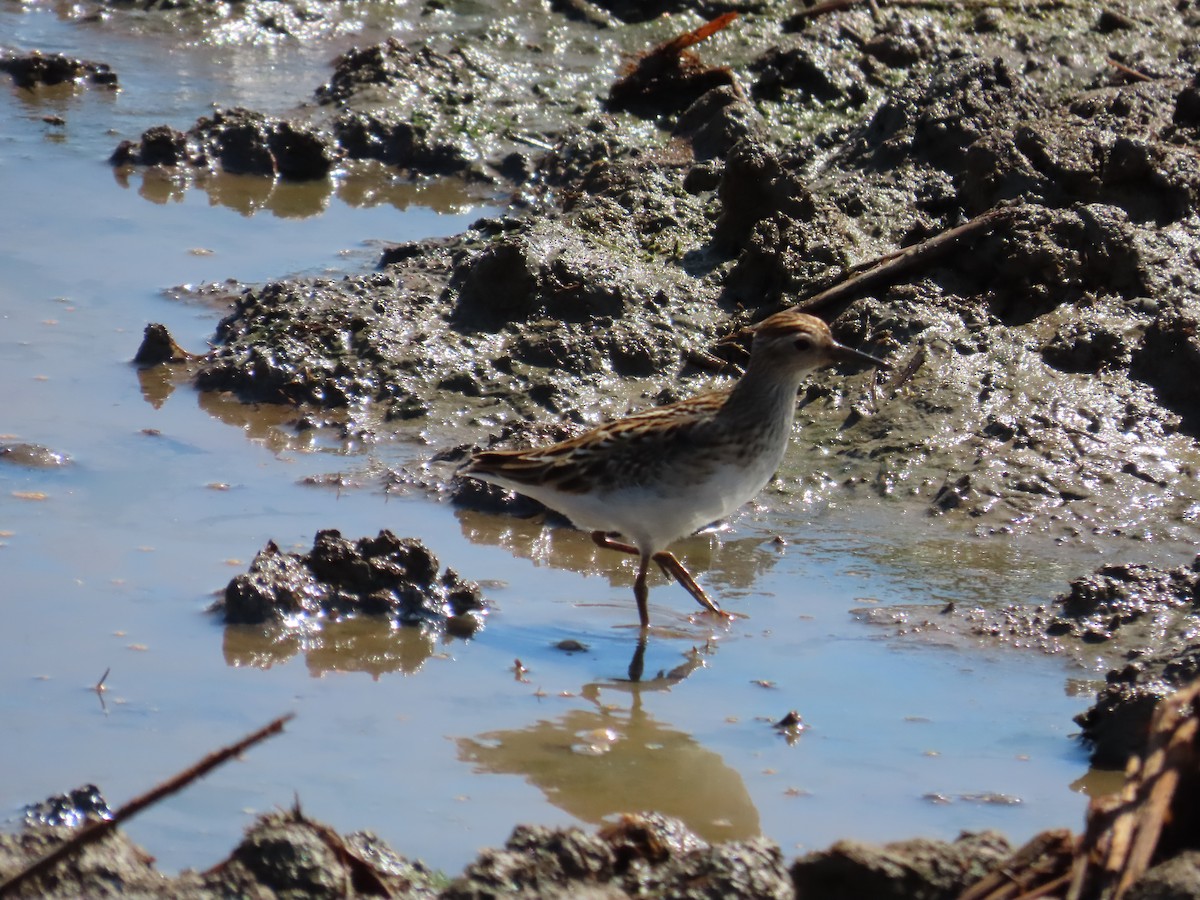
{"x":656,"y":517}
{"x":652,"y":516}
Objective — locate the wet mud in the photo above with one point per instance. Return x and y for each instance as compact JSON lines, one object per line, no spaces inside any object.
{"x":375,"y":605}
{"x":36,"y":70}
{"x":385,"y":575}
{"x":639,"y":855}
{"x":663,"y":191}
{"x":1053,"y":398}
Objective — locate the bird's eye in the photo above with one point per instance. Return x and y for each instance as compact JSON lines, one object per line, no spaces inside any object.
{"x":803,"y":343}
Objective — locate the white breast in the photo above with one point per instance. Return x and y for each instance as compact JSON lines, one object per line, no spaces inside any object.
{"x":653,"y":519}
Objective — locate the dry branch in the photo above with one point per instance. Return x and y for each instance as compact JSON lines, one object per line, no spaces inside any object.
{"x":830,"y":6}
{"x":886,"y":268}
{"x":96,"y":830}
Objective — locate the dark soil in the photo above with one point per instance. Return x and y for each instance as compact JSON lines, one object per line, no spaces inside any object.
{"x":381,"y":576}
{"x":34,"y":70}
{"x":285,"y":854}
{"x":1054,"y":398}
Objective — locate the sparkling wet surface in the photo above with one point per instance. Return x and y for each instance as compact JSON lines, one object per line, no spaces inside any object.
{"x":110,"y":561}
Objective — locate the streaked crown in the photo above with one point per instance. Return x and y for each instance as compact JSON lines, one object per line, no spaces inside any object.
{"x":805,"y":339}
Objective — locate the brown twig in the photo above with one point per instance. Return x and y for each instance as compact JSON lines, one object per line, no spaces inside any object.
{"x":1172,"y":742}
{"x":95,"y":831}
{"x":1123,"y":830}
{"x":677,"y":45}
{"x":1046,"y":889}
{"x":904,"y":374}
{"x":1047,"y":855}
{"x":830,"y":6}
{"x":887,"y":267}
{"x":1129,"y":70}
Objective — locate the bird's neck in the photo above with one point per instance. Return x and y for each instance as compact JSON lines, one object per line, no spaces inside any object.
{"x":763,"y":396}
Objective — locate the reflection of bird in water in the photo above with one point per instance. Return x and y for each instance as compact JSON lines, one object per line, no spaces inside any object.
{"x":663,"y":681}
{"x":659,"y":475}
{"x":593,"y":763}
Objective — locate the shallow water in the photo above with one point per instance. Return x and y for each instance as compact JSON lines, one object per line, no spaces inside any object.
{"x":109,"y":563}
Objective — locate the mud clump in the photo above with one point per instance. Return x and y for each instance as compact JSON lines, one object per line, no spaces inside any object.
{"x":639,"y":855}
{"x":283,"y":854}
{"x":48,"y":69}
{"x":644,"y":854}
{"x":158,"y":347}
{"x":1116,"y":724}
{"x":905,"y":870}
{"x":239,"y":141}
{"x":1162,"y":608}
{"x":292,"y":855}
{"x":32,"y":456}
{"x":70,"y":809}
{"x":380,"y":576}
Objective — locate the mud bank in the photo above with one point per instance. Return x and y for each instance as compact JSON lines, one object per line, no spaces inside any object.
{"x":286,"y":854}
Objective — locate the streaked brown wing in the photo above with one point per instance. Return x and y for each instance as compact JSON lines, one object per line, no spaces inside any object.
{"x":616,"y":451}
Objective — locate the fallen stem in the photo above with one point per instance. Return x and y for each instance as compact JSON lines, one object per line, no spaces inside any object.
{"x":89,"y":834}
{"x":677,"y":45}
{"x":1131,"y":72}
{"x":886,"y":267}
{"x":830,"y":6}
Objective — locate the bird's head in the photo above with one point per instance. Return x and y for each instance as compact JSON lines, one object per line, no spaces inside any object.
{"x":802,"y":343}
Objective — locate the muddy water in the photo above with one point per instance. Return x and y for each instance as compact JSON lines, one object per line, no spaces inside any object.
{"x":110,"y":560}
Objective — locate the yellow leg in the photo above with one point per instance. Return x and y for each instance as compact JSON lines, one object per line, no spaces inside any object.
{"x":641,"y":593}
{"x":672,"y":566}
{"x":669,"y":564}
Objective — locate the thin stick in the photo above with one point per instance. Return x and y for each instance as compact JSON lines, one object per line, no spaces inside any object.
{"x":99,"y":688}
{"x":822,"y":8}
{"x":677,"y":45}
{"x":888,"y":266}
{"x":97,"y":830}
{"x":1048,"y":888}
{"x":1129,"y":70}
{"x":830,"y":6}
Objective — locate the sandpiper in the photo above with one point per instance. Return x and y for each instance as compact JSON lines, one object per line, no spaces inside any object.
{"x":659,"y":475}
